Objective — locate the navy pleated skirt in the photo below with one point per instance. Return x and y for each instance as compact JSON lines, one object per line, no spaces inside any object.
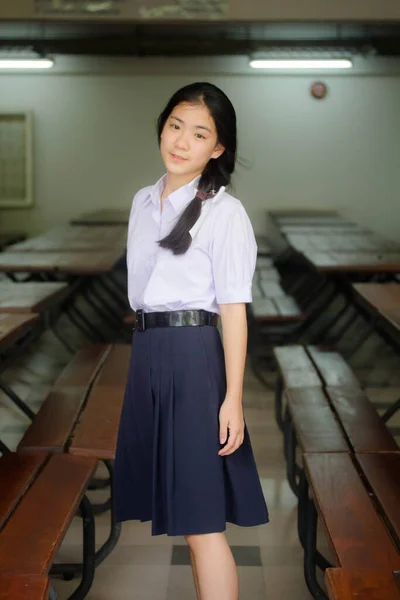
{"x":167,"y":467}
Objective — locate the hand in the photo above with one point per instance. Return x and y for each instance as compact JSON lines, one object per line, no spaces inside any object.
{"x":231,"y":417}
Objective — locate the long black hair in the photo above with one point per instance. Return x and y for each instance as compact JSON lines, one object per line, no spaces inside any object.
{"x":218,"y":171}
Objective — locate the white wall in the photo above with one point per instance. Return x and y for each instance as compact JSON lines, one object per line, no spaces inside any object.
{"x":95,"y":142}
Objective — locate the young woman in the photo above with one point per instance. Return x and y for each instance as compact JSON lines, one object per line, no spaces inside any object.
{"x":184,"y":458}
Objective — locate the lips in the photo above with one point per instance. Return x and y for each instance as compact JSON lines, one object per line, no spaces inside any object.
{"x":177,"y":158}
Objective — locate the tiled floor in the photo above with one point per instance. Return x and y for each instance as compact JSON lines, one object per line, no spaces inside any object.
{"x":269,"y":558}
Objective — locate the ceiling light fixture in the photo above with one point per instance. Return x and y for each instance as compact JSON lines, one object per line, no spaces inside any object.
{"x":295,"y":63}
{"x":302,"y":58}
{"x":23,"y":59}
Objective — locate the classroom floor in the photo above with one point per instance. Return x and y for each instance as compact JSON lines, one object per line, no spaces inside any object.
{"x":269,"y":558}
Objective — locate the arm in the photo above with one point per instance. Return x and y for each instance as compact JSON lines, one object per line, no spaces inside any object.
{"x":234,"y":327}
{"x":234,"y":255}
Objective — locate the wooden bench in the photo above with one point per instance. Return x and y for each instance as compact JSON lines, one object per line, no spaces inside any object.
{"x":307,"y":367}
{"x":382,"y":473}
{"x":24,"y":587}
{"x":320,"y":418}
{"x":54,"y":423}
{"x":41,"y":494}
{"x":363,"y":427}
{"x":331,"y":487}
{"x":81,"y":415}
{"x":364,"y":584}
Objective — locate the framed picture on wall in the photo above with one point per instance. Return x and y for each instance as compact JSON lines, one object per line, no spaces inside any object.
{"x":16,"y":174}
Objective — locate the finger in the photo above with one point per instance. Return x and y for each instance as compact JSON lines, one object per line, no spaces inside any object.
{"x":223,"y":431}
{"x":230,"y":445}
{"x":238,"y":442}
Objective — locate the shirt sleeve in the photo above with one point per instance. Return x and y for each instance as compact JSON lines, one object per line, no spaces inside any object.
{"x":234,"y":255}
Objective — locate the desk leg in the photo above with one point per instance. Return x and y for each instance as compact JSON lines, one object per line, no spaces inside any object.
{"x":16,"y":399}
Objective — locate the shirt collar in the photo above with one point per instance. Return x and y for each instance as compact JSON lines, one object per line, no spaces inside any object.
{"x":180,"y":198}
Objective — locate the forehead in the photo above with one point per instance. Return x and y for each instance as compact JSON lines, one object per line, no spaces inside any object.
{"x":194,"y":114}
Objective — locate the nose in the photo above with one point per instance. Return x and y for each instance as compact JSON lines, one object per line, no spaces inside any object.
{"x":182,"y":141}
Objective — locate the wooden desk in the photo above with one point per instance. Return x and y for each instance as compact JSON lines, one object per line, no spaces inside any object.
{"x":75,"y":239}
{"x":342,"y":229}
{"x":332,"y":221}
{"x":379,"y":296}
{"x":106,"y":216}
{"x":354,"y":262}
{"x":30,"y":297}
{"x":331,"y":242}
{"x":383,"y":298}
{"x":70,"y":263}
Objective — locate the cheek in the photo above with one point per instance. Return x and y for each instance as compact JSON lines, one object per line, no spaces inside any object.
{"x":204,"y":152}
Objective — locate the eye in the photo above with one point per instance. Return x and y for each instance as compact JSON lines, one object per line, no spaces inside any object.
{"x":174,"y":126}
{"x":199,"y":136}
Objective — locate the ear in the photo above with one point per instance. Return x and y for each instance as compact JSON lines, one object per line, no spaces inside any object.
{"x":218,"y":150}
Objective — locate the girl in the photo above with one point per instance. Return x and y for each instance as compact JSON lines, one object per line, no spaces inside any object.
{"x":184,"y":458}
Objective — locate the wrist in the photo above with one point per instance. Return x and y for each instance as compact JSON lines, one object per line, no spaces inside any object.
{"x":234,"y":397}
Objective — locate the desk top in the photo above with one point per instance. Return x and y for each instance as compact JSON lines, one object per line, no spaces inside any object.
{"x":69,"y":238}
{"x":106,"y":216}
{"x":383,"y":298}
{"x":380,"y":296}
{"x":340,"y":241}
{"x":12,"y":326}
{"x":350,"y":262}
{"x":70,"y":263}
{"x":29,"y":297}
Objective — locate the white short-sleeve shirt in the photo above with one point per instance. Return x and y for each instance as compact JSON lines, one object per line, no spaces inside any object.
{"x":217,"y":268}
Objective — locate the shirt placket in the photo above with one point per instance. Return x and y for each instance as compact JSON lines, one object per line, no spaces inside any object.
{"x":163,"y":222}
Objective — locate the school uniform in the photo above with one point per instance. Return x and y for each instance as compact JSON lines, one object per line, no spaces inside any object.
{"x":167,"y":467}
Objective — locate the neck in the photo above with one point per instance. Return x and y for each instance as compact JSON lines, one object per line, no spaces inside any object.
{"x":174,"y":182}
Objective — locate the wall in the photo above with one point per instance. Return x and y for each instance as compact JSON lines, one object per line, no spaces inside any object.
{"x":95,"y":143}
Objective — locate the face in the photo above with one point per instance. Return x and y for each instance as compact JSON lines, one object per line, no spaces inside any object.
{"x":189,"y":141}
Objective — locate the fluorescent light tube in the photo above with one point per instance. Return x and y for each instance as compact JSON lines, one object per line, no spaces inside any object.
{"x":279,"y":63}
{"x":26,"y":63}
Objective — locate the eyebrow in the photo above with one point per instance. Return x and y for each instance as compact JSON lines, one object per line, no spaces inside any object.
{"x":197,"y":126}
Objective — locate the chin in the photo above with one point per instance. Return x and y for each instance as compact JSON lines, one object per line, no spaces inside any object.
{"x":178,"y":169}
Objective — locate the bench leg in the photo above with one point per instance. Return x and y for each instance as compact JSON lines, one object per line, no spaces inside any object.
{"x":99,"y":484}
{"x":310,"y":548}
{"x":89,"y":551}
{"x":320,"y":560}
{"x":391,"y":411}
{"x":278,"y":400}
{"x":291,"y":467}
{"x":115,"y":528}
{"x":72,"y":570}
{"x":87,"y":569}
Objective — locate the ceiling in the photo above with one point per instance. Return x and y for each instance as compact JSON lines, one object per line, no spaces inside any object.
{"x":199,"y":38}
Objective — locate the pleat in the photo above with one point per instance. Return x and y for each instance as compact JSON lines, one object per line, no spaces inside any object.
{"x":170,"y":454}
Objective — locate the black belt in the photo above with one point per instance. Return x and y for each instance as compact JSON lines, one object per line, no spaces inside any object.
{"x":174,"y":318}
